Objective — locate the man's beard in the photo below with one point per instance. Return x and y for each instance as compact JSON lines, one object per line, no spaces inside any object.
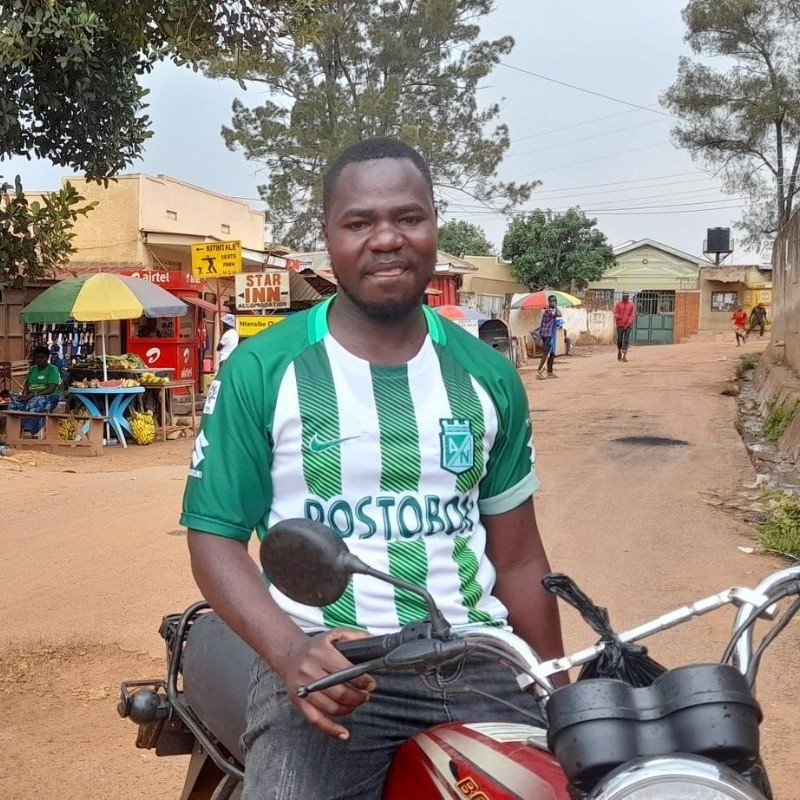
{"x":390,"y":311}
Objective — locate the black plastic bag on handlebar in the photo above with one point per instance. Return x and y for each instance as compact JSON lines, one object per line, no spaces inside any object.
{"x":623,"y":661}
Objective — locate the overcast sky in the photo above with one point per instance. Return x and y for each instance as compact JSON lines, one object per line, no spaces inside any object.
{"x":614,"y":160}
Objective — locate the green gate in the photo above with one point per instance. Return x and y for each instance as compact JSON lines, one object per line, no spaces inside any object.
{"x":654,"y":328}
{"x":655,"y":317}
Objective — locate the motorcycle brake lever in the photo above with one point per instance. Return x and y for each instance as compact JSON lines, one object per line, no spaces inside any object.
{"x":418,"y":655}
{"x":344,"y":675}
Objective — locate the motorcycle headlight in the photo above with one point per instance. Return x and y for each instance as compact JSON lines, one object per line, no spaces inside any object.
{"x":675,"y":778}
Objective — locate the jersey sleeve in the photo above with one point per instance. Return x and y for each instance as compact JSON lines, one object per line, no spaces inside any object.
{"x":511,"y":473}
{"x":229,"y":491}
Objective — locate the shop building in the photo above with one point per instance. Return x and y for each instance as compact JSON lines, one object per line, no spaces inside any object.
{"x":144,"y":226}
{"x":724,"y":289}
{"x":490,"y":288}
{"x":663,"y":282}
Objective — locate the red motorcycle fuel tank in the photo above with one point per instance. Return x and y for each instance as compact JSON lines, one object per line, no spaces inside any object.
{"x":476,"y":761}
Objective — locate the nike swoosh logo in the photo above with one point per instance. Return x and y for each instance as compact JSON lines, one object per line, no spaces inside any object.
{"x":317,"y":445}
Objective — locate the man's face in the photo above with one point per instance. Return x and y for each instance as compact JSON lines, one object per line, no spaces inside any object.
{"x":40,"y":360}
{"x":551,"y":302}
{"x":625,"y":298}
{"x":380,"y":230}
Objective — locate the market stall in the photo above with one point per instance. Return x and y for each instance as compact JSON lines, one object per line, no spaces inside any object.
{"x":113,"y":380}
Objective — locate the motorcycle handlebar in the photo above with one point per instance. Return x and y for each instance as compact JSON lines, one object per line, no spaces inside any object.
{"x":359,"y":651}
{"x":514,"y":650}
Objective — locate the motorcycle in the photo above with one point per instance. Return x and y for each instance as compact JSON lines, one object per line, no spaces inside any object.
{"x":693,"y":732}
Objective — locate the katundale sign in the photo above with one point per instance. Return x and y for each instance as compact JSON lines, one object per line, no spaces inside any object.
{"x":262,"y":290}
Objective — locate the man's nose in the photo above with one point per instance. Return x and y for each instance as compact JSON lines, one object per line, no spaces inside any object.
{"x":386,"y":237}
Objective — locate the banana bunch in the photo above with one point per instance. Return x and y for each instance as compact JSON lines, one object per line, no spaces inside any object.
{"x":151,"y":379}
{"x":68,"y":430}
{"x":143,"y":427}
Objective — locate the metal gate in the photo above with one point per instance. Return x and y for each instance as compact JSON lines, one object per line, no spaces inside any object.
{"x":655,"y":317}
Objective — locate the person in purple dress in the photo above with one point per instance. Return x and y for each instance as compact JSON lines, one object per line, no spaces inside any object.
{"x":547,"y":333}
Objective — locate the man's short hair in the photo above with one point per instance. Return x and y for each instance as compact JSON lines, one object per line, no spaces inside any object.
{"x":551,"y":297}
{"x":372,"y":150}
{"x":41,"y":351}
{"x":626,"y":294}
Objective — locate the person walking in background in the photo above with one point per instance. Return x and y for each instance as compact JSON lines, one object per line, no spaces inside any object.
{"x":547,"y":337}
{"x":739,"y":318}
{"x":624,"y":317}
{"x":758,"y":319}
{"x":229,"y":339}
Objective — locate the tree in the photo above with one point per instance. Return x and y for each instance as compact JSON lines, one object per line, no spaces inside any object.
{"x":460,"y":238}
{"x":743,"y":118}
{"x":69,"y":81}
{"x":562,"y":251}
{"x":36,"y":236}
{"x":397,"y":68}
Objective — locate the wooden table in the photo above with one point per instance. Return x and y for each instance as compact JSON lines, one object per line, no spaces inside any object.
{"x":167,"y":390}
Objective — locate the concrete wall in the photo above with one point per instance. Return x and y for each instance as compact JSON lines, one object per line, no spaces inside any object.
{"x":172,"y":206}
{"x":493,"y":277}
{"x":687,"y":314}
{"x":786,"y":291}
{"x":110,"y":232}
{"x":597,"y":326}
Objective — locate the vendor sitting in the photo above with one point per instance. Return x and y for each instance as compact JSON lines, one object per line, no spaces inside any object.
{"x":40,"y":392}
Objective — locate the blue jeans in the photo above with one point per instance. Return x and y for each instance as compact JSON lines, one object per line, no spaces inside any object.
{"x":287,"y":759}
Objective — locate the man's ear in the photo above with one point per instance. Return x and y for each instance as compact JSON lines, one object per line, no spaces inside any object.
{"x":325,"y":233}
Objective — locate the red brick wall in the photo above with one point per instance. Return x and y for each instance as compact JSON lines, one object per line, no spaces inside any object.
{"x":687,"y":314}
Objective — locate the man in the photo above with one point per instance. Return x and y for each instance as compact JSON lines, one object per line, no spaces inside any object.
{"x":229,"y":340}
{"x":547,"y":337}
{"x":408,"y":437}
{"x":758,"y":319}
{"x":739,"y":318}
{"x":624,"y":317}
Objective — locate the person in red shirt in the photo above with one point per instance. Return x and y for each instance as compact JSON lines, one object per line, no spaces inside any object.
{"x":739,"y":318}
{"x":624,"y":317}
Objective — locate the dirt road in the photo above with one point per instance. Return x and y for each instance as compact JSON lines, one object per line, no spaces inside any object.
{"x":91,"y":557}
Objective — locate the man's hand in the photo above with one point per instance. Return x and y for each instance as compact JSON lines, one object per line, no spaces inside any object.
{"x":315,"y":657}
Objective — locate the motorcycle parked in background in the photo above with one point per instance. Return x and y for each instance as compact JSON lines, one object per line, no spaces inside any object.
{"x":692,"y":733}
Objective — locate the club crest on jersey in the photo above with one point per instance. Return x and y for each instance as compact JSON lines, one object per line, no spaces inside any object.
{"x":457,"y":445}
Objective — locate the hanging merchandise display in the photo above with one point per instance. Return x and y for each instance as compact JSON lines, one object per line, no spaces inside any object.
{"x":68,"y":342}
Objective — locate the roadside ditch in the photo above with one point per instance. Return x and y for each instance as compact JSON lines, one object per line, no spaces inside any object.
{"x":768,"y":420}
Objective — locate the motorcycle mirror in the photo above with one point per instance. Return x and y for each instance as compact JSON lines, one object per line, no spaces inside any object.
{"x":306,"y":561}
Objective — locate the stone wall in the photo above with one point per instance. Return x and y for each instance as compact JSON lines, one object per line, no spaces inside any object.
{"x":786,"y":291}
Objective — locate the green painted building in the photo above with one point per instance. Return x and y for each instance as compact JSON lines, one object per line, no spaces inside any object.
{"x":664,"y":284}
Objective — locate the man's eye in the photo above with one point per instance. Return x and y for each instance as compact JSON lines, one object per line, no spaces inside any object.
{"x":357,"y":225}
{"x":410,"y":220}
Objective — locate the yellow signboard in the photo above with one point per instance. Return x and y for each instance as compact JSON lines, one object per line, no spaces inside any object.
{"x":249,"y":326}
{"x":216,"y":259}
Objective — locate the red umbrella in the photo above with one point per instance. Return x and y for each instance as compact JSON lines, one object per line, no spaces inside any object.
{"x":460,"y":312}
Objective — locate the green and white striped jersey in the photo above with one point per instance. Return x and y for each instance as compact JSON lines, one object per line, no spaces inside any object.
{"x":401,"y":461}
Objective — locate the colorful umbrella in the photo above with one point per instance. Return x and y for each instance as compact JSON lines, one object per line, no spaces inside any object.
{"x":102,"y":296}
{"x":538,"y":299}
{"x":99,"y":297}
{"x":460,"y":312}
